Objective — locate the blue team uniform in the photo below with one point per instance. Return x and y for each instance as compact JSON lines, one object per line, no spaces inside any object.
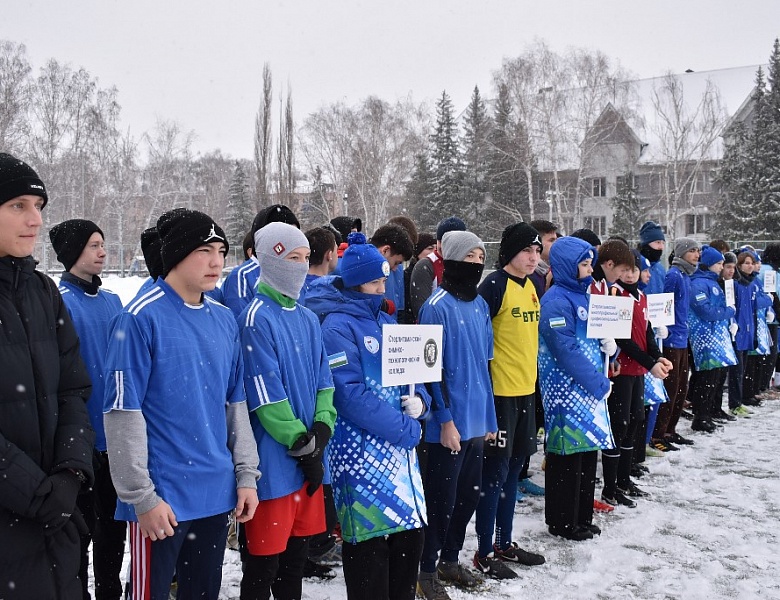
{"x":239,"y":286}
{"x":91,"y":315}
{"x":179,"y":364}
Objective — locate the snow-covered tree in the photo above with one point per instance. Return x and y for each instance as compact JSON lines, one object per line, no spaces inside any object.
{"x":476,"y":150}
{"x":239,"y":208}
{"x":445,"y":161}
{"x":628,"y":213}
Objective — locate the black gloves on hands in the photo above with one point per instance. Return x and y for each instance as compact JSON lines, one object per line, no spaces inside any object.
{"x":59,"y":502}
{"x":308,"y":449}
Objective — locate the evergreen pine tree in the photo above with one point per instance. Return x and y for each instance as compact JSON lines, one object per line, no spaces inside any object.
{"x":628,"y":214}
{"x":446,"y":164}
{"x":770,"y":154}
{"x":419,"y":194}
{"x":475,"y":144}
{"x":239,"y":209}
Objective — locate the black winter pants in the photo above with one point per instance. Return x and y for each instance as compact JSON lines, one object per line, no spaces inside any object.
{"x":384,"y":567}
{"x":570,"y":482}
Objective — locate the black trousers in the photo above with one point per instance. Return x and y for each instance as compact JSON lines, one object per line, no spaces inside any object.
{"x":626,"y":414}
{"x":704,"y":386}
{"x":280,"y":573}
{"x":750,"y":382}
{"x":570,"y":483}
{"x":384,"y":567}
{"x":107,"y":535}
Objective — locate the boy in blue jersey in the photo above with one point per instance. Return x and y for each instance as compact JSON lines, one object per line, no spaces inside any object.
{"x":150,"y":247}
{"x":79,"y":247}
{"x":179,"y":440}
{"x":290,"y":392}
{"x":463,"y":414}
{"x":395,"y":244}
{"x":238,"y":289}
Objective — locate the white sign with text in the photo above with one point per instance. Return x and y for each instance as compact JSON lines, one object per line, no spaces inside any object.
{"x":770,"y":281}
{"x":610,"y":316}
{"x":731,"y":299}
{"x":411,"y":354}
{"x":660,"y":309}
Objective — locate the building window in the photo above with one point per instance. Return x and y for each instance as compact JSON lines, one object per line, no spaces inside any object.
{"x":598,"y":187}
{"x":597,"y":225}
{"x":700,"y":183}
{"x":698,"y":223}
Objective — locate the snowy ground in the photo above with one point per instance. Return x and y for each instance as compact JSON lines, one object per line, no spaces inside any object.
{"x":709,"y":530}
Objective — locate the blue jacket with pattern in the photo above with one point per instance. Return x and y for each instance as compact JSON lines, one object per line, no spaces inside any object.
{"x":708,"y":323}
{"x":571,"y":365}
{"x":373,"y":462}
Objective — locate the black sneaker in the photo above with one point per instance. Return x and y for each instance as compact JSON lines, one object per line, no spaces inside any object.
{"x":670,"y":446}
{"x":570,"y":532}
{"x":317,"y":571}
{"x":637,"y":473}
{"x":632,"y":490}
{"x":594,"y":529}
{"x":430,"y":588}
{"x":517,"y":555}
{"x":619,"y":499}
{"x":493,"y":567}
{"x":676,"y":438}
{"x":752,"y":402}
{"x":703,"y":425}
{"x":686,"y":414}
{"x":458,"y":574}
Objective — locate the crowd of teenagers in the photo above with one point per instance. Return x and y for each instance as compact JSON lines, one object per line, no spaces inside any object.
{"x":252,"y":413}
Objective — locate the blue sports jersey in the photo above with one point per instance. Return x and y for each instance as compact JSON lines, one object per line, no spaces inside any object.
{"x":179,"y":365}
{"x":91,"y":315}
{"x":394,"y":289}
{"x":465,"y":394}
{"x":284,"y":358}
{"x":240,"y":285}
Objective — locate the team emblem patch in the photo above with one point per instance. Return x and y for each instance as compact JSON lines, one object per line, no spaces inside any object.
{"x":557,"y":323}
{"x":386,"y":269}
{"x":279,"y":248}
{"x":716,"y":290}
{"x":371,"y":344}
{"x":582,"y":313}
{"x":339,"y":359}
{"x":701,"y":297}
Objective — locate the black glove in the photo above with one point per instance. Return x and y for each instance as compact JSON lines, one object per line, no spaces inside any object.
{"x":59,"y":502}
{"x":322,"y":435}
{"x":312,"y":443}
{"x":313,"y":472}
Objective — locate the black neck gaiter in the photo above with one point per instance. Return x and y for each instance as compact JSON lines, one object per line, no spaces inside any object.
{"x":462,"y":278}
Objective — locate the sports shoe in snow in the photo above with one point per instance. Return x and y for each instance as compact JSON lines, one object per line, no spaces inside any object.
{"x":619,"y":499}
{"x":752,"y":402}
{"x":430,"y":588}
{"x":516,"y":554}
{"x":603,"y":507}
{"x":652,"y":452}
{"x":526,"y":486}
{"x":741,"y":411}
{"x":594,"y":529}
{"x":632,"y":490}
{"x":574,"y":533}
{"x":456,"y":573}
{"x":676,"y":438}
{"x":492,"y":567}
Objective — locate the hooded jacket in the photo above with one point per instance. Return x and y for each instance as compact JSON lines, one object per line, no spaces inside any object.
{"x":574,"y":387}
{"x":373,"y":463}
{"x":44,"y":429}
{"x":708,"y":322}
{"x":679,"y":284}
{"x":749,"y":300}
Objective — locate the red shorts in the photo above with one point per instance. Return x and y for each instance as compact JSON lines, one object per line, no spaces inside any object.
{"x":278,"y":520}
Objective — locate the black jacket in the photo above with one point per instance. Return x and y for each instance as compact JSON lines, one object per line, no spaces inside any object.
{"x":44,"y":428}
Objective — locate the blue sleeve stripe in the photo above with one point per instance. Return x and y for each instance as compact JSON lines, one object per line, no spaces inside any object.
{"x":154,"y":294}
{"x":119,"y":398}
{"x":243,"y":283}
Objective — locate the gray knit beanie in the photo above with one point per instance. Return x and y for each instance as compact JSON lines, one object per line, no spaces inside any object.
{"x":455,"y":245}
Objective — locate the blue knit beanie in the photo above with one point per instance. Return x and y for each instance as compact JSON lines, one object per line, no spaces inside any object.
{"x":651,"y":232}
{"x":710,"y":256}
{"x":361,"y":262}
{"x":449,"y":224}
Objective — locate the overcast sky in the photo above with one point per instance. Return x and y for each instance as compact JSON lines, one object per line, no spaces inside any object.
{"x":199,"y":62}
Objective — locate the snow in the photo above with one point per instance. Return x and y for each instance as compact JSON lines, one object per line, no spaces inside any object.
{"x":709,"y":529}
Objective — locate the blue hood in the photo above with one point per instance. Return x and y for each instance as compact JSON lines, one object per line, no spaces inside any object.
{"x":327,"y":295}
{"x":565,"y":255}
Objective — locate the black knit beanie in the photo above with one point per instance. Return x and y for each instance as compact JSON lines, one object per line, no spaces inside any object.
{"x":69,"y":239}
{"x":17,"y":178}
{"x":151,"y":246}
{"x":182,"y":231}
{"x":276,"y":213}
{"x":517,"y":238}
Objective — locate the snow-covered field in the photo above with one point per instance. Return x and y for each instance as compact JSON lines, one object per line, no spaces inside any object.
{"x":709,"y":530}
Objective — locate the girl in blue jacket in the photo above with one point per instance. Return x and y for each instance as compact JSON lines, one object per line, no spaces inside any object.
{"x":708,"y":324}
{"x":574,"y":393}
{"x":375,"y":474}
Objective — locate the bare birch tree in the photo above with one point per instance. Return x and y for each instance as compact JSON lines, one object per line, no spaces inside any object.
{"x":263,"y":138}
